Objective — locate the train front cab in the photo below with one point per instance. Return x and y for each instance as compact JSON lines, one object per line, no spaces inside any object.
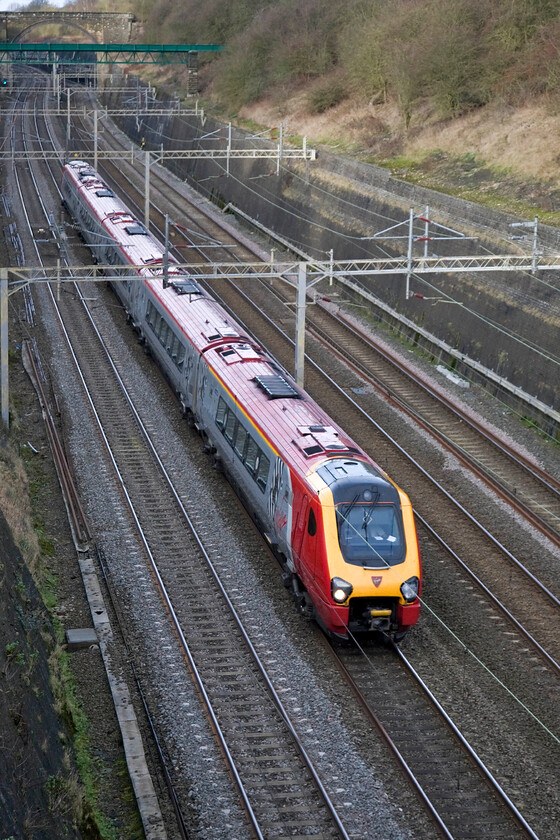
{"x":369,"y":572}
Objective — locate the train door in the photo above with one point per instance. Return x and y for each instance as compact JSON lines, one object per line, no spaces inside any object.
{"x":190,"y":377}
{"x":280,"y":508}
{"x":305,"y":539}
{"x":196,"y":387}
{"x":299,"y":529}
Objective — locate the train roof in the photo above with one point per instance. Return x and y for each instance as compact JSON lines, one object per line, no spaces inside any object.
{"x":136,"y":242}
{"x":291,"y":421}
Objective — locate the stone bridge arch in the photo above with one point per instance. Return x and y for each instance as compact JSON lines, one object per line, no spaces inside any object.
{"x":87,"y":35}
{"x":100,"y":27}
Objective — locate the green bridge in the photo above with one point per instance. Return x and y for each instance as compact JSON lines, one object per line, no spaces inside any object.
{"x":55,"y":53}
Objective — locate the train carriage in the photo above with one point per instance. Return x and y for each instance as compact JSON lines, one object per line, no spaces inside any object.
{"x":343,"y":530}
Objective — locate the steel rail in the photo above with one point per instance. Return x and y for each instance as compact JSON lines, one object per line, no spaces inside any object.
{"x":493,"y":780}
{"x":463,"y":455}
{"x":517,"y":457}
{"x":183,"y":831}
{"x":432,"y":810}
{"x":65,"y":488}
{"x":458,"y":734}
{"x":496,"y":601}
{"x":276,"y":699}
{"x":76,"y":515}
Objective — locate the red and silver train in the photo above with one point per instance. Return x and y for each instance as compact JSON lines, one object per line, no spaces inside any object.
{"x":343,"y":530}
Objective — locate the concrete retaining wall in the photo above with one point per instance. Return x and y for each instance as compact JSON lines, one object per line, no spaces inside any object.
{"x":507,"y":322}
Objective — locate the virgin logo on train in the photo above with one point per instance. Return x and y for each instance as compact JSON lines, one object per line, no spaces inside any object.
{"x":376,"y":580}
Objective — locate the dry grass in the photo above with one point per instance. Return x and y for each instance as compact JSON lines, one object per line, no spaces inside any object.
{"x":523,"y":140}
{"x":516,"y":149}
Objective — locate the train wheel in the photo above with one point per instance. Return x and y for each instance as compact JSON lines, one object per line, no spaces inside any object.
{"x":303,"y":602}
{"x":287,"y":579}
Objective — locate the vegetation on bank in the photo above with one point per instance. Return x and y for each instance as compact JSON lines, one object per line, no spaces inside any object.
{"x":427,"y":62}
{"x":454,"y":54}
{"x":71,"y":795}
{"x":471,"y":178}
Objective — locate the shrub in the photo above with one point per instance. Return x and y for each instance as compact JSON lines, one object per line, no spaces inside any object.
{"x":326,"y":96}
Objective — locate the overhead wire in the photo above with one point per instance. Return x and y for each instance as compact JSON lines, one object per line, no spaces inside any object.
{"x":511,"y":334}
{"x":271,"y":198}
{"x":489,"y":671}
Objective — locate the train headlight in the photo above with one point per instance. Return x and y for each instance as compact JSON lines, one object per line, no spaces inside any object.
{"x":340,"y":590}
{"x":409,"y":589}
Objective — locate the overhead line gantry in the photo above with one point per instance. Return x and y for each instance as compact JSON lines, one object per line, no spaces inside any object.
{"x":300,"y":274}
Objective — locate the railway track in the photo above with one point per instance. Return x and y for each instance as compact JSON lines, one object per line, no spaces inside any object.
{"x":450,"y":774}
{"x":521,"y":589}
{"x":523,"y":484}
{"x":529,"y":489}
{"x":461,"y":814}
{"x":279,"y":787}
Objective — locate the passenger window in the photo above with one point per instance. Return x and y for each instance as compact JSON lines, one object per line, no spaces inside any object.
{"x":312,"y":523}
{"x":229,"y":429}
{"x":262,"y":474}
{"x":221,"y":414}
{"x":240,"y":438}
{"x":251,"y":456}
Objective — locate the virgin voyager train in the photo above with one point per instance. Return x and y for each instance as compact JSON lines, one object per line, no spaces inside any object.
{"x":343,"y":530}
